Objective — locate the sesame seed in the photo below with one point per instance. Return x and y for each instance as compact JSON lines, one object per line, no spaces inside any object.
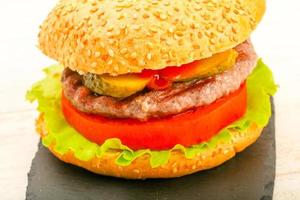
{"x":111,"y":53}
{"x":171,"y":30}
{"x":163,"y":16}
{"x":97,"y":54}
{"x":149,"y":56}
{"x":226,"y":151}
{"x":110,"y":62}
{"x":136,"y":27}
{"x":89,"y":52}
{"x":153,"y":29}
{"x":94,"y":65}
{"x":135,"y":16}
{"x":133,"y":55}
{"x":124,"y":50}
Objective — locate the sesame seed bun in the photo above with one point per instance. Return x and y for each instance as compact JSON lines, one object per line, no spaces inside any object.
{"x":118,"y":37}
{"x":177,"y":166}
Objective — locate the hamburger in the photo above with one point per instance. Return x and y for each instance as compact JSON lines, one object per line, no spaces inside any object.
{"x":151,"y":89}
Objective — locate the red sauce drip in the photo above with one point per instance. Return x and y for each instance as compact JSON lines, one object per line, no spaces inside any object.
{"x":159,"y":83}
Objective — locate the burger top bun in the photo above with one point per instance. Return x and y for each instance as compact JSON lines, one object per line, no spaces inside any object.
{"x":124,"y":36}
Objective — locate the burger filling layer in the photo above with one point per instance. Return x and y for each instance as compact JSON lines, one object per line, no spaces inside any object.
{"x":63,"y":138}
{"x":161,"y":93}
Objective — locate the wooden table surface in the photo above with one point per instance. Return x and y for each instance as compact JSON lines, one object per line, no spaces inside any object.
{"x":276,"y":40}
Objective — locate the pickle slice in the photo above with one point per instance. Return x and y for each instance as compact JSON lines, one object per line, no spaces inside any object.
{"x":121,"y":86}
{"x":214,"y":65}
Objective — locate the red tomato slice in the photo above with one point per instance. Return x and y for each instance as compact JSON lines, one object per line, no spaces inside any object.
{"x":170,"y":72}
{"x":163,"y":78}
{"x":187,"y":129}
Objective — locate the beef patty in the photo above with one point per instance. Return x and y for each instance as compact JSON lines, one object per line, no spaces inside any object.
{"x":153,"y":104}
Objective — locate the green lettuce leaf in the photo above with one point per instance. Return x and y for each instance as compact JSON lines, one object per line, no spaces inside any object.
{"x":47,"y":93}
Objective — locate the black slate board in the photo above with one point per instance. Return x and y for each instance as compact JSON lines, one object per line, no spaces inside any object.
{"x":250,"y":175}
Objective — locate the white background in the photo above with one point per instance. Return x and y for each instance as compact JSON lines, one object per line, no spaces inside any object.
{"x":276,"y":40}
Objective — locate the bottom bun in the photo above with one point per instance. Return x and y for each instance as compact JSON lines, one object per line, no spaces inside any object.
{"x":178,"y":165}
